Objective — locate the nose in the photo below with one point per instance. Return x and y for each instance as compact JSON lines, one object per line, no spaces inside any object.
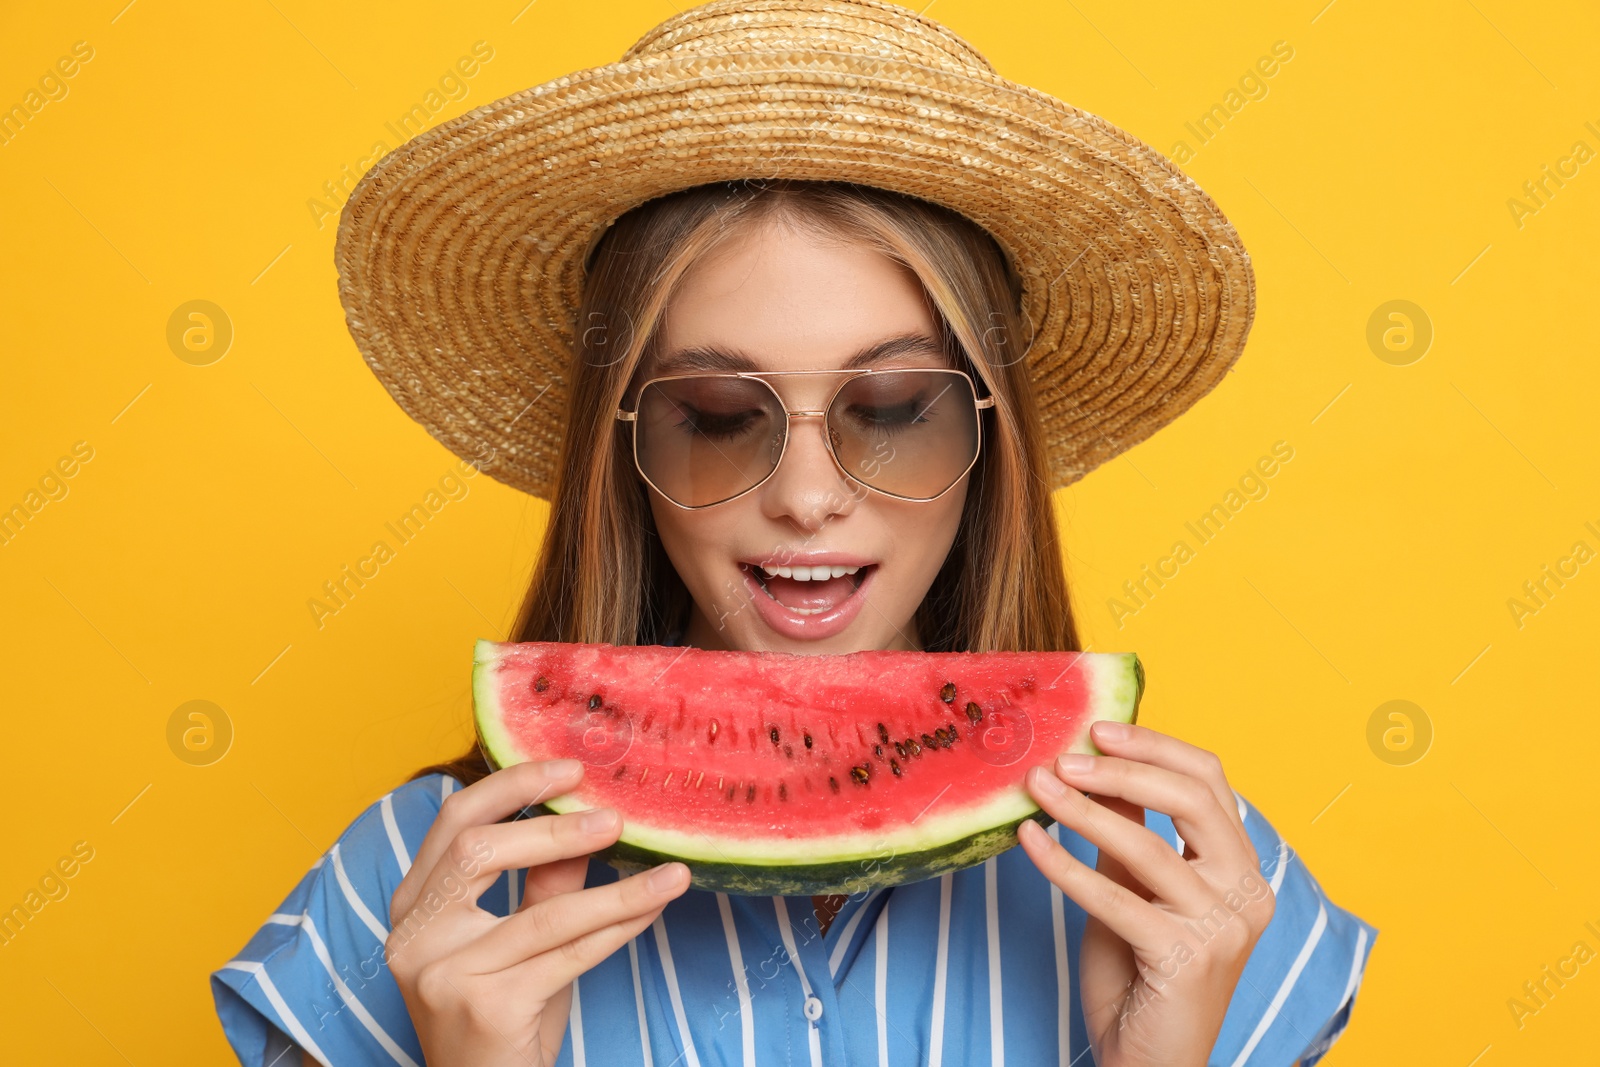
{"x":808,"y":489}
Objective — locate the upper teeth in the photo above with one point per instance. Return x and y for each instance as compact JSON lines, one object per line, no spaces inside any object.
{"x":808,"y":574}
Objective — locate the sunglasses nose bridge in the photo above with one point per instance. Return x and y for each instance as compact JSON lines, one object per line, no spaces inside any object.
{"x":801,"y":482}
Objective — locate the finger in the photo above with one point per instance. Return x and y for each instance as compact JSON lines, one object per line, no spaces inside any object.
{"x":1190,"y":802}
{"x":1150,"y":859}
{"x":1109,"y":865}
{"x":557,"y":970}
{"x":1163,"y":750}
{"x":570,"y":917}
{"x":488,"y":800}
{"x":1136,"y":921}
{"x":550,"y":879}
{"x":480,"y":853}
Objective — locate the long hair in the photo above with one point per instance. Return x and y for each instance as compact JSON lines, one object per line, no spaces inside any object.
{"x":602,"y":575}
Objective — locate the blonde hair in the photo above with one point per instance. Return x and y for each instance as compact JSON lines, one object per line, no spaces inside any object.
{"x":602,"y":575}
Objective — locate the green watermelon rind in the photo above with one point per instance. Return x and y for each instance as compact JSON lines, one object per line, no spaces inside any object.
{"x":499,"y":748}
{"x":843,"y":877}
{"x":862,"y":863}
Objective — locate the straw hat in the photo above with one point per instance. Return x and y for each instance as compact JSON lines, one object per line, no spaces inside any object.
{"x":461,"y":253}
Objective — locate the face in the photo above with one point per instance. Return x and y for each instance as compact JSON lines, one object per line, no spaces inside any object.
{"x":783,"y":301}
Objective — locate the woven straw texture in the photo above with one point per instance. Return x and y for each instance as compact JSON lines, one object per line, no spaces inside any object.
{"x":460,"y":254}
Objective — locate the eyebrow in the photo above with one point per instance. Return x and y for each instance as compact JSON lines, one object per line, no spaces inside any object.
{"x":719,"y":358}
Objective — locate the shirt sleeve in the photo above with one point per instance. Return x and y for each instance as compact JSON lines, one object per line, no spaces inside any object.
{"x":1298,"y":988}
{"x":315,"y":973}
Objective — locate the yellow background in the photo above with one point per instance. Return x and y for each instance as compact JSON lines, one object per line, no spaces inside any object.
{"x":1419,"y":499}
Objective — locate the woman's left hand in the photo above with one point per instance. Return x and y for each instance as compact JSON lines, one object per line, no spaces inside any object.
{"x":1167,"y":935}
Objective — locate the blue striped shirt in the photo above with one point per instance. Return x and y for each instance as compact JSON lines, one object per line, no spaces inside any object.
{"x":984,"y":967}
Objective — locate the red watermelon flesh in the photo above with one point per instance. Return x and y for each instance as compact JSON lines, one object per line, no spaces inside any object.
{"x":769,"y":772}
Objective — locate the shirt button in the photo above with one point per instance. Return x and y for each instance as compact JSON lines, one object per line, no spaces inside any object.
{"x":813,"y":1009}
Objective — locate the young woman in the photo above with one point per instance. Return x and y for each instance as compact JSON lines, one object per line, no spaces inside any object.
{"x":733,"y":468}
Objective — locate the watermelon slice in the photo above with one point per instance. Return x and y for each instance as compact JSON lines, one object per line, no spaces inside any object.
{"x":775,"y":773}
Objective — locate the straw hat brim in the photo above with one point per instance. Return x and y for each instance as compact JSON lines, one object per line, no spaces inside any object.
{"x":461,"y":253}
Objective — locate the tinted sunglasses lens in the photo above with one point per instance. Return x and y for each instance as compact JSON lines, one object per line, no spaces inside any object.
{"x":909,"y":433}
{"x":703,"y":440}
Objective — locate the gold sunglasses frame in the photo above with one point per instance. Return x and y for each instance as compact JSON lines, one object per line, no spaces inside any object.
{"x":979,"y":404}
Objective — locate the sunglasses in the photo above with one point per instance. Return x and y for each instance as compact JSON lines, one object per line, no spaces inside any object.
{"x":705,"y":439}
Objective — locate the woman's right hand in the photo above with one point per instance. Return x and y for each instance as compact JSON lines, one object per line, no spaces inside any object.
{"x":485,"y":990}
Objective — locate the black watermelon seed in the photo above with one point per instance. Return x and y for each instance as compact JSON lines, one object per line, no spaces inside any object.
{"x":883,"y":733}
{"x":861,"y":773}
{"x":948,"y":693}
{"x":731,"y":788}
{"x":877,"y":750}
{"x":974,"y":713}
{"x":833,"y":783}
{"x":911,"y":744}
{"x":929,"y":742}
{"x":900,"y":749}
{"x":750,"y":794}
{"x":540,"y":684}
{"x":894,"y":765}
{"x":594,"y":701}
{"x":808,"y":740}
{"x":783,"y":791}
{"x":788,"y":751}
{"x":773,"y":733}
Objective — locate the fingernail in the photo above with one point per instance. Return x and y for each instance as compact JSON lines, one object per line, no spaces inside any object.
{"x":663,"y":878}
{"x":1047,"y":783}
{"x":564,"y":768}
{"x":598,"y":821}
{"x":1075,"y":763}
{"x":1113,"y":731}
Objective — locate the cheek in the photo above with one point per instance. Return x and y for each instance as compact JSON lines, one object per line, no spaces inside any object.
{"x":690,"y":539}
{"x":925,"y":532}
{"x":671,"y":528}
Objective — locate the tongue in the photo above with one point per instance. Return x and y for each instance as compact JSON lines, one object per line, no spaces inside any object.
{"x":811,"y":595}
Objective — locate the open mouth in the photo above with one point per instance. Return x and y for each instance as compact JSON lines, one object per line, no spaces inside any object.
{"x":808,"y":590}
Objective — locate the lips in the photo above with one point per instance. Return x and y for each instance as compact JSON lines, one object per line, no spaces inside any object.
{"x":809,"y":589}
